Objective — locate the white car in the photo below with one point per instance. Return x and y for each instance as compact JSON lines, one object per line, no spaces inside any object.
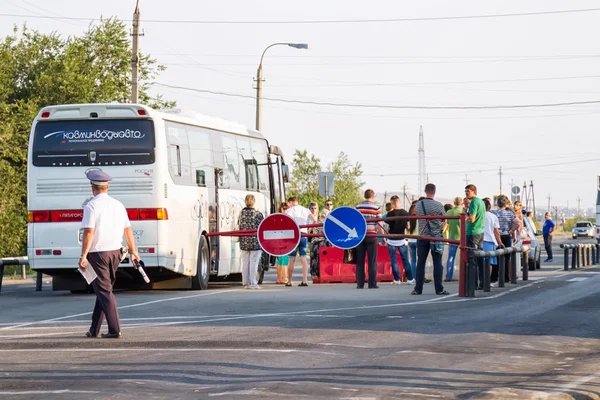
{"x":584,"y":228}
{"x":534,"y":243}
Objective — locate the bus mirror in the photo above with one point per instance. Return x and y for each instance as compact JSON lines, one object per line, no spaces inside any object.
{"x":200,"y":178}
{"x":286,"y":172}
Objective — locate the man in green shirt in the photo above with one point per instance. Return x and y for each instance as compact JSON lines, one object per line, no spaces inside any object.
{"x":475,"y":224}
{"x":453,"y":234}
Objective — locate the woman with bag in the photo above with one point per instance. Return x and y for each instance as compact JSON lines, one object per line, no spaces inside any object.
{"x":250,"y":218}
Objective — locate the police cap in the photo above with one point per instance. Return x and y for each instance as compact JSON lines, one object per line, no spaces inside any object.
{"x":98,"y":177}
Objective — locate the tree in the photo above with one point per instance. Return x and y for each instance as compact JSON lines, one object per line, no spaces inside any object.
{"x":347,"y":181}
{"x":304,"y":182}
{"x":39,"y":69}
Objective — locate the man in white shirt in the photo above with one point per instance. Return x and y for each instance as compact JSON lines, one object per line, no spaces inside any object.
{"x":301,"y":216}
{"x":104,"y":223}
{"x":491,"y":239}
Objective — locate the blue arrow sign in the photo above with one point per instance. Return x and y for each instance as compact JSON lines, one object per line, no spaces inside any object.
{"x":345,"y":227}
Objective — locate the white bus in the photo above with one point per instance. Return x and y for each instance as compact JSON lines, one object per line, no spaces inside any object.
{"x":179,"y":174}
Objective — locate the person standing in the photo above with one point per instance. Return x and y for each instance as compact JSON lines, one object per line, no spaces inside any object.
{"x":282,"y":261}
{"x":453,"y":234}
{"x":250,"y":218}
{"x":505,"y":220}
{"x":491,"y":238}
{"x":475,"y":225}
{"x":431,"y":228}
{"x":412,"y":242}
{"x":368,"y":246}
{"x":104,"y":224}
{"x":398,"y":227}
{"x":547,"y":230}
{"x":301,"y":216}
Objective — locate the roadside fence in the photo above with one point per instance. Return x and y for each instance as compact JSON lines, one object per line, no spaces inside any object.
{"x":582,"y":254}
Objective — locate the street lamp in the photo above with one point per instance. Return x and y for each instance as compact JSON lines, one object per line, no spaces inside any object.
{"x":259,"y":79}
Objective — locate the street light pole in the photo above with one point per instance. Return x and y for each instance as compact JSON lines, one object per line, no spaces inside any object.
{"x":259,"y":80}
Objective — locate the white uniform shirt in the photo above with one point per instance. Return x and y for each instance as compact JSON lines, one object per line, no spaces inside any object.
{"x":491,"y":222}
{"x":300,"y":215}
{"x":109,"y":218}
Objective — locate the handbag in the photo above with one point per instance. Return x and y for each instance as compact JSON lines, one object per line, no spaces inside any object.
{"x":349,"y":256}
{"x":436,"y":247}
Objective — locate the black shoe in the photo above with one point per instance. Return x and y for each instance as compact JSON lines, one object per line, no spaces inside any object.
{"x":90,"y":335}
{"x":549,"y":260}
{"x":116,"y":335}
{"x":303,"y":284}
{"x":427,"y":280}
{"x":374,"y":287}
{"x":479,"y":287}
{"x":360,"y":286}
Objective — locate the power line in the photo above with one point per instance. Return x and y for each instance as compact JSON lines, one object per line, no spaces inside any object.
{"x":348,"y":21}
{"x":386,"y":106}
{"x":492,"y":169}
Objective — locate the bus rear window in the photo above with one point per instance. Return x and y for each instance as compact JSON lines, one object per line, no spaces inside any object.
{"x":93,"y":142}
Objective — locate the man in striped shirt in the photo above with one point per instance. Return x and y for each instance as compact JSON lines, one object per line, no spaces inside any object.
{"x":368,"y":246}
{"x":431,"y":228}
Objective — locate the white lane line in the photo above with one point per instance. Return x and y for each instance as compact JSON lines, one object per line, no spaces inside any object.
{"x":36,"y":335}
{"x":64,"y":391}
{"x":576,"y":279}
{"x":148,"y":350}
{"x":120,"y":308}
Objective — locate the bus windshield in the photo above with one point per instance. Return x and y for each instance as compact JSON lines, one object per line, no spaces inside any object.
{"x":93,"y":142}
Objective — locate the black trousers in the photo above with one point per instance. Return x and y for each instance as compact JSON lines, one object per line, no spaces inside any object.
{"x":366,"y":247}
{"x":507,"y":242}
{"x":105,"y":263}
{"x":548,"y":245}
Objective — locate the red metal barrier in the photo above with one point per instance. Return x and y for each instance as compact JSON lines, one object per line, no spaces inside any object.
{"x":334,"y":270}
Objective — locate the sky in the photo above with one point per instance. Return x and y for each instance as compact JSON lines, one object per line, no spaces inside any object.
{"x":417,"y":58}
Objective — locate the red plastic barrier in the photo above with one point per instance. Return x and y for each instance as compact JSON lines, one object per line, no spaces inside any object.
{"x":334,"y":270}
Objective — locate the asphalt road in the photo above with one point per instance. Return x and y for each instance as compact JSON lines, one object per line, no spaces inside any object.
{"x":535,"y":340}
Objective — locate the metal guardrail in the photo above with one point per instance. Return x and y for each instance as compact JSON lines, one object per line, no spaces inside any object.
{"x":583,"y":255}
{"x":500,"y":254}
{"x":22,"y":261}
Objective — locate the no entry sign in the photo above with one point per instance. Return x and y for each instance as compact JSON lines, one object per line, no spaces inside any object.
{"x":278,"y":235}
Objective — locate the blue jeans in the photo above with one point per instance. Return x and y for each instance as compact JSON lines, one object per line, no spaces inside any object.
{"x":423,"y":247}
{"x":412,"y":248}
{"x":450,"y":263}
{"x":405,"y":263}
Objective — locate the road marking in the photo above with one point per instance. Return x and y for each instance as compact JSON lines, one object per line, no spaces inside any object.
{"x":64,"y":391}
{"x":148,"y":350}
{"x":577,"y":383}
{"x":277,"y":235}
{"x":576,"y":279}
{"x":31,"y":335}
{"x":121,"y":308}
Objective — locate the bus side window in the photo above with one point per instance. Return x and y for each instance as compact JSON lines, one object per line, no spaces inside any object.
{"x":231,"y":172}
{"x":250,"y":171}
{"x":201,"y":156}
{"x":261,"y":158}
{"x":174,"y":160}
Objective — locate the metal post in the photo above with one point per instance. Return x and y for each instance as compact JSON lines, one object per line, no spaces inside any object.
{"x":259,"y":81}
{"x":1,"y":274}
{"x":501,"y":271}
{"x":486,"y":275}
{"x":24,"y":271}
{"x":462,"y":275}
{"x":135,"y":56}
{"x":38,"y":282}
{"x":589,"y":255}
{"x":525,"y":265}
{"x":566,"y":259}
{"x":513,"y":268}
{"x":597,"y":254}
{"x":593,"y":250}
{"x":574,"y":257}
{"x":579,"y":256}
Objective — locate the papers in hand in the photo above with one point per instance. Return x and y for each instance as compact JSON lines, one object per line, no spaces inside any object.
{"x":88,"y":273}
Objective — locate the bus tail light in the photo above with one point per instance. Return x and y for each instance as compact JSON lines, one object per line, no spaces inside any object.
{"x":43,"y":252}
{"x":56,"y":252}
{"x":133,"y":214}
{"x":146,"y":250}
{"x":159,"y":214}
{"x":38,"y":216}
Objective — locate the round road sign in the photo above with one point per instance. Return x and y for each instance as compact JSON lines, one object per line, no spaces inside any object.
{"x":278,"y":235}
{"x":345,"y":227}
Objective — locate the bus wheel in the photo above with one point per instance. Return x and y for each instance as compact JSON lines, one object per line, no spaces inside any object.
{"x":200,"y":280}
{"x":262,"y":267}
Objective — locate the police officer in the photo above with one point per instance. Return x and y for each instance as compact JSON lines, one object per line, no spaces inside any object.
{"x":104,"y":223}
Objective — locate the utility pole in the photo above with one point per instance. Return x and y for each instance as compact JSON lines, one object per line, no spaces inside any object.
{"x":422,"y":169}
{"x":549,"y":198}
{"x":466,"y":179}
{"x":532,"y":196}
{"x":500,"y":173}
{"x":404,"y":195}
{"x":578,"y":205}
{"x":135,"y":56}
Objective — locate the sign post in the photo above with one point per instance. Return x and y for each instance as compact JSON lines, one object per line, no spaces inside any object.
{"x":345,"y":227}
{"x":326,"y":184}
{"x":278,"y":235}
